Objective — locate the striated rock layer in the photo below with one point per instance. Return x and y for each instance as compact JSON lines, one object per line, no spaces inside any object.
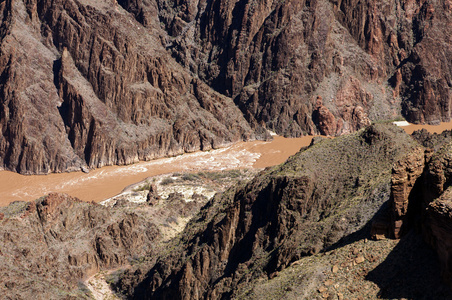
{"x":84,"y":84}
{"x":366,"y":59}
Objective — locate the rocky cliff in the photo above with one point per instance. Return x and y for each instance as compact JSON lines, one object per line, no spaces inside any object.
{"x":300,"y":228}
{"x":309,"y":203}
{"x":88,"y":83}
{"x":50,"y":245}
{"x":84,"y":84}
{"x":421,"y":195}
{"x":366,"y":59}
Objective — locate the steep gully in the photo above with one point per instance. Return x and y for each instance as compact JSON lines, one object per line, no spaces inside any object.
{"x":108,"y":181}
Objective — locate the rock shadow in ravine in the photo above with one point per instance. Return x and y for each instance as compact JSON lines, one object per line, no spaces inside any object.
{"x":411,"y":271}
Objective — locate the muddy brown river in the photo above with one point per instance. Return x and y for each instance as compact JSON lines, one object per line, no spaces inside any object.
{"x":107,"y":182}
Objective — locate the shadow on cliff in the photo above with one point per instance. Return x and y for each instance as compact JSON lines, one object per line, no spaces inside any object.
{"x":364,"y":232}
{"x":412,"y":270}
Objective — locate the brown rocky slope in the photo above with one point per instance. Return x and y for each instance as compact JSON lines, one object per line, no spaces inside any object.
{"x":300,"y":228}
{"x":143,"y":79}
{"x":50,"y":245}
{"x":84,"y":84}
{"x":309,"y":203}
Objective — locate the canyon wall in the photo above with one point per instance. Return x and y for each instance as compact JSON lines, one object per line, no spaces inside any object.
{"x":84,"y":84}
{"x":365,"y":59}
{"x":87,"y":84}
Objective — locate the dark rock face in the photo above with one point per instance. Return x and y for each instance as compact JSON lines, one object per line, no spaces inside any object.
{"x":299,"y":208}
{"x":138,"y":77}
{"x":50,"y":244}
{"x":421,"y":195}
{"x":364,"y":58}
{"x":83,"y":83}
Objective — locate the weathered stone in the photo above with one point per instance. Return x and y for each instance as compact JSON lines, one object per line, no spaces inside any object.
{"x":405,"y":173}
{"x":360,"y":259}
{"x":335,"y":269}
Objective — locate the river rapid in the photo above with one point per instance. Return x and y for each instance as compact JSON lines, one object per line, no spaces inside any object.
{"x":106,"y":182}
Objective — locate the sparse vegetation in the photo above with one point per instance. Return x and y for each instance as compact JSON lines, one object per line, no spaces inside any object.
{"x":167,"y":180}
{"x":145,"y":187}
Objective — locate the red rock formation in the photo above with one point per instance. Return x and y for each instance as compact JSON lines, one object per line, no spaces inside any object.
{"x":325,"y":120}
{"x":405,"y":174}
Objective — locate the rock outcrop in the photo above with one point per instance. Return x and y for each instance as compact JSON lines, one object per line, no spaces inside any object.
{"x":405,"y":175}
{"x":421,"y":196}
{"x":309,"y":203}
{"x":437,"y":203}
{"x":153,"y":196}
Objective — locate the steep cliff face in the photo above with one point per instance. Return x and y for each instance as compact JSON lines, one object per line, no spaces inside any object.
{"x":437,"y":231}
{"x":364,"y":58}
{"x":405,"y":175}
{"x":421,"y":195}
{"x":287,"y":212}
{"x":49,"y":245}
{"x":138,"y":77}
{"x":437,"y":201}
{"x":85,"y":84}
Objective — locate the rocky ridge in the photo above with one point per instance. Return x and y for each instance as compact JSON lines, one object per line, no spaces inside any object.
{"x":252,"y":238}
{"x":284,"y":214}
{"x":48,"y":246}
{"x":51,"y":247}
{"x":310,"y":217}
